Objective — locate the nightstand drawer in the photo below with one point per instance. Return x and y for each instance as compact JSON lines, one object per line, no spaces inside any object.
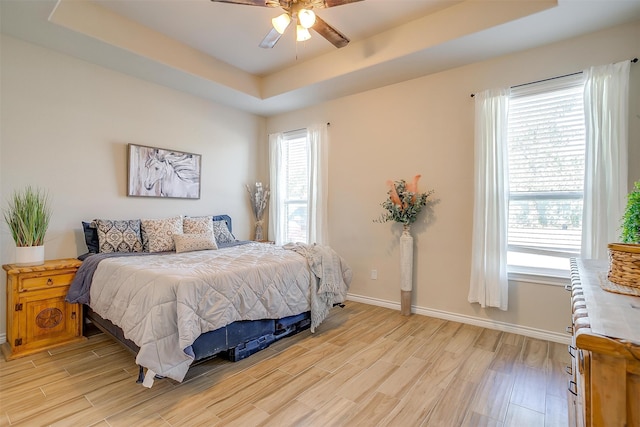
{"x":45,"y":282}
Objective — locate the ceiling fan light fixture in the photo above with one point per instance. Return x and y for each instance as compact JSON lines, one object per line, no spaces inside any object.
{"x":281,"y":22}
{"x":302,"y":34}
{"x":306,"y":18}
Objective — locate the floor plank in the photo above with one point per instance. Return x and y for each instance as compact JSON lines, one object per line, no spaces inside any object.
{"x":364,"y":365}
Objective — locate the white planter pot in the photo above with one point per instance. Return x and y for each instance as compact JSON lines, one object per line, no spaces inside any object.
{"x":29,"y":255}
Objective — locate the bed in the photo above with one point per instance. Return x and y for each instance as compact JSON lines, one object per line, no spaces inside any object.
{"x":175,"y":307}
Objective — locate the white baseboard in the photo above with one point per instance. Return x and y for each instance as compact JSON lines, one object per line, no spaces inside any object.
{"x":476,"y":321}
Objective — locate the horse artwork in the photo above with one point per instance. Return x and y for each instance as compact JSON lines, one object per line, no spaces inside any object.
{"x":156,"y":172}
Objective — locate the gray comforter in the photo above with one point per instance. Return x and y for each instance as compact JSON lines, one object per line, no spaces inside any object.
{"x":164,"y":302}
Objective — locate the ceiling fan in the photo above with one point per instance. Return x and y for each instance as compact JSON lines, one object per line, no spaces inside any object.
{"x":300,"y":11}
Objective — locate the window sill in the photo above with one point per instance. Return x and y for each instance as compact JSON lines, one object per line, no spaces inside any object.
{"x":539,"y":276}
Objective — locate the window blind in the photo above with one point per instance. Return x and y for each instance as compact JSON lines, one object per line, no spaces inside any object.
{"x":296,"y":193}
{"x":546,"y":138}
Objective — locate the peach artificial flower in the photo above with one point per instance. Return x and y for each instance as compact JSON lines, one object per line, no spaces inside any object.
{"x":412,"y":187}
{"x":393,"y":194}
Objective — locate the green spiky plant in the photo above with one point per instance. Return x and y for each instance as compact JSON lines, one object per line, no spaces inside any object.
{"x":631,"y":217}
{"x":28,"y":216}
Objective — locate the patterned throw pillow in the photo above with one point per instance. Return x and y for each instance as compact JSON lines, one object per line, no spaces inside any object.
{"x":119,"y":235}
{"x":157,"y":234}
{"x":197,"y":225}
{"x":222,"y":233}
{"x":194,"y":242}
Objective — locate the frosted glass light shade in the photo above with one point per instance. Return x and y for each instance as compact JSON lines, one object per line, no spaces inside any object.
{"x":281,"y":22}
{"x":306,"y":18}
{"x":302,"y":34}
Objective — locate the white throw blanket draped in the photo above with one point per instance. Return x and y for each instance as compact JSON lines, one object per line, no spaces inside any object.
{"x":334,"y":277}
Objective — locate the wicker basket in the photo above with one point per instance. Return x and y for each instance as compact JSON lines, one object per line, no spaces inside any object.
{"x":624,"y":264}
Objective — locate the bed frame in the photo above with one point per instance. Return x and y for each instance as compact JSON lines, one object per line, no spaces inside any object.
{"x":234,"y":342}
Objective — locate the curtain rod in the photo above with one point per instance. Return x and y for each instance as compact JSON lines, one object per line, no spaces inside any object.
{"x":633,"y":61}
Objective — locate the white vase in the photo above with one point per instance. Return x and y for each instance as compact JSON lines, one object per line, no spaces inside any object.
{"x":29,"y":255}
{"x":406,"y":270}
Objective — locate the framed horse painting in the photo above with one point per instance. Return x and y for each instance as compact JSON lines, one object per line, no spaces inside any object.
{"x":159,"y":172}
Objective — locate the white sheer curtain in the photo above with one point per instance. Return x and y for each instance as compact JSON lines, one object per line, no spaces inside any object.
{"x":317,"y":136}
{"x":606,"y":96}
{"x":489,"y":283}
{"x":276,"y":215}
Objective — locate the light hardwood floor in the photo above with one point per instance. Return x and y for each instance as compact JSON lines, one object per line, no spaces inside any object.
{"x":365,"y":366}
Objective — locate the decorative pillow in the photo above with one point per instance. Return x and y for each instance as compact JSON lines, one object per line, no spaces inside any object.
{"x":91,"y":236}
{"x":221,"y":232}
{"x":157,"y":234}
{"x":119,"y":235}
{"x":197,"y":225}
{"x":194,"y":242}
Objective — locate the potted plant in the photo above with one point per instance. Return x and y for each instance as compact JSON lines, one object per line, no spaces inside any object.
{"x":624,"y":258}
{"x":631,"y":218}
{"x":28,"y":216}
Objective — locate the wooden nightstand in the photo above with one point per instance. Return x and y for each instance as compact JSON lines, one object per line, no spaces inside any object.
{"x":38,"y":317}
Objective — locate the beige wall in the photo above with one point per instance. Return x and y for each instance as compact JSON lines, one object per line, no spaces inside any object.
{"x":65,"y":125}
{"x":425,"y":126}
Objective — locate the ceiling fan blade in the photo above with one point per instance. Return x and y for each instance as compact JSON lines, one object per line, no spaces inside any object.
{"x":334,"y":36}
{"x":333,"y":3}
{"x":270,"y":39}
{"x":267,"y":3}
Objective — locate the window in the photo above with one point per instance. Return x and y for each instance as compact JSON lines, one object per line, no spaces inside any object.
{"x":293,"y":186}
{"x":298,"y":180}
{"x":546,"y":138}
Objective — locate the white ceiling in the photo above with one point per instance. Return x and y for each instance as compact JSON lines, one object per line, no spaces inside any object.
{"x":232,"y":32}
{"x":211,"y":49}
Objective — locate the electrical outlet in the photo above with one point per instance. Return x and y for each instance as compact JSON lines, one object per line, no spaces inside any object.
{"x":374,"y":274}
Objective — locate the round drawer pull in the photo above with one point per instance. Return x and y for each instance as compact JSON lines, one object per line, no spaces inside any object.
{"x":49,"y":281}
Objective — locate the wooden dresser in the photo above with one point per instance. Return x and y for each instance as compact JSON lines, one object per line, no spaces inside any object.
{"x":38,"y":317}
{"x":605,"y":350}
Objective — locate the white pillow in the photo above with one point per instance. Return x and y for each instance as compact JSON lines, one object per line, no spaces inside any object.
{"x":197,"y":225}
{"x":194,"y":242}
{"x":157,"y":234}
